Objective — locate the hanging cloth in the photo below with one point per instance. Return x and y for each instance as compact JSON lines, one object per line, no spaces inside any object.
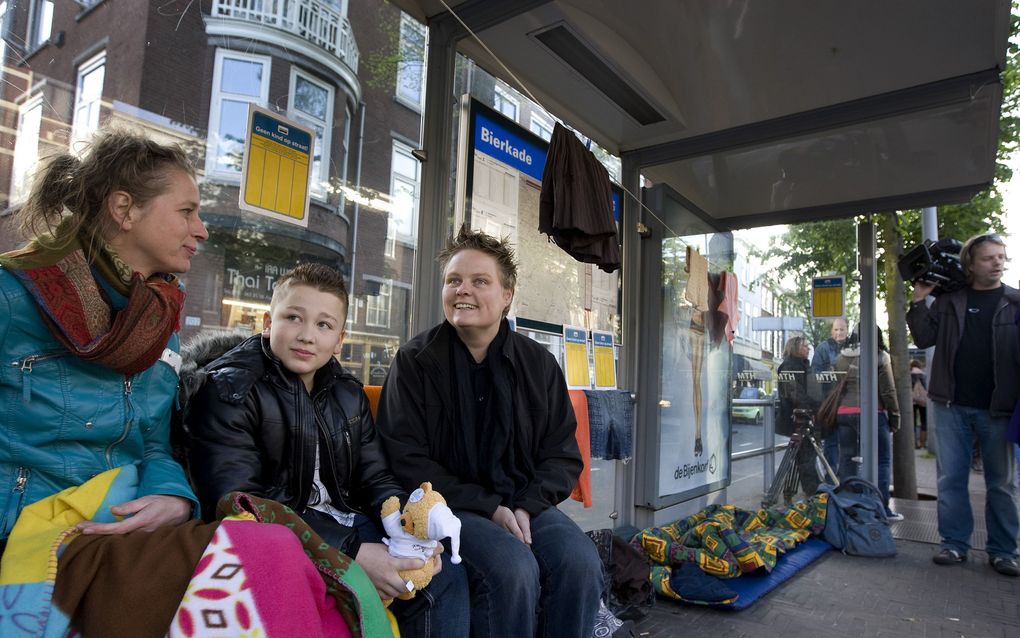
{"x":576,"y":205}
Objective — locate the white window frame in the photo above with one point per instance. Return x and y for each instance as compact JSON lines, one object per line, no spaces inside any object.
{"x":345,"y":160}
{"x":403,"y":68}
{"x":78,"y":130}
{"x":543,"y":123}
{"x":26,"y":150}
{"x":505,"y":96}
{"x":215,"y":101}
{"x":391,"y":230}
{"x":319,"y":186}
{"x":378,"y":308}
{"x":35,"y":18}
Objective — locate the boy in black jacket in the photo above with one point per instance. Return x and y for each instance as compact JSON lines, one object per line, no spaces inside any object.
{"x":279,"y":417}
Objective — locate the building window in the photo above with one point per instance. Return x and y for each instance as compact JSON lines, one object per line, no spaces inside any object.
{"x":541,"y":126}
{"x":239,"y":79}
{"x":505,"y":103}
{"x":88,"y":97}
{"x":312,"y":104}
{"x":26,"y":148}
{"x":377,"y":307}
{"x":411,"y":66}
{"x":40,"y":21}
{"x":404,"y":178}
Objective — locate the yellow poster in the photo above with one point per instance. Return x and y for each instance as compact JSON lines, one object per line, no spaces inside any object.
{"x":605,"y":362}
{"x":575,"y":349}
{"x":276,"y":169}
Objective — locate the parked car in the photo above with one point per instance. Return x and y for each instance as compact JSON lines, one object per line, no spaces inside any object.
{"x":749,"y":413}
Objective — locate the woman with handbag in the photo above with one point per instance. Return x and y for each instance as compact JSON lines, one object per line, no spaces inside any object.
{"x":849,"y":415}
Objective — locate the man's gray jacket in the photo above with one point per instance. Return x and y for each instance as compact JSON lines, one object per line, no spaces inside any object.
{"x":941,"y":326}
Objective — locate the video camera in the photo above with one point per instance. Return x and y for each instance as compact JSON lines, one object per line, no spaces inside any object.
{"x":934,"y":262}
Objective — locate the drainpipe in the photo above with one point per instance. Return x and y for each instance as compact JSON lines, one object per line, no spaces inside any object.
{"x":357,"y":208}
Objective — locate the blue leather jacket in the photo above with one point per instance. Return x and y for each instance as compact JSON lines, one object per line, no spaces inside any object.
{"x":63,"y":420}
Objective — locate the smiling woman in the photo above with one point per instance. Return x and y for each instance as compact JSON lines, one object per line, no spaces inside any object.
{"x":483,"y":414}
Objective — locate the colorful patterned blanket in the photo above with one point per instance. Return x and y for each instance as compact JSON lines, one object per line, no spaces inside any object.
{"x":236,"y":577}
{"x":726,"y":541}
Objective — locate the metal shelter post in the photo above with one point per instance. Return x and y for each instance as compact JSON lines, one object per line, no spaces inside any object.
{"x":630,"y":217}
{"x":930,"y":231}
{"x":869,"y":351}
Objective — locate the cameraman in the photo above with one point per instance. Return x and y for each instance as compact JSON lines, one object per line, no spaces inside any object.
{"x":975,"y":381}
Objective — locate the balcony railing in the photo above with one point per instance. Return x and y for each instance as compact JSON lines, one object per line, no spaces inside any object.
{"x":318,"y":21}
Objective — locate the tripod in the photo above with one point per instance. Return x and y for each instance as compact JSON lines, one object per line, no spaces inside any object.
{"x":788,"y":476}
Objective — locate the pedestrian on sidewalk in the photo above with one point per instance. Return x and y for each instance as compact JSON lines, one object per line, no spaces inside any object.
{"x":823,"y":361}
{"x":974,"y":385}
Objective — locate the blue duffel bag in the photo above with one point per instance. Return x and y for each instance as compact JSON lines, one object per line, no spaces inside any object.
{"x":855,"y":520}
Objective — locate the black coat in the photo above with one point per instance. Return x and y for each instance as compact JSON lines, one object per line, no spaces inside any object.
{"x":942,"y":325}
{"x":793,"y":392}
{"x":417,"y":423}
{"x":252,"y":427}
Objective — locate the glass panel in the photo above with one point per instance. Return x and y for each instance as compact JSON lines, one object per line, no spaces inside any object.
{"x":230,"y":146}
{"x":310,"y":98}
{"x":241,"y":77}
{"x":411,"y":66}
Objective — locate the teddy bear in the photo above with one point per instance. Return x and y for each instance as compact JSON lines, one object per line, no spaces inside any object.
{"x":415,"y":532}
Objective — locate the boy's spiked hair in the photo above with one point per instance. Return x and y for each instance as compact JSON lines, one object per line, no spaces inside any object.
{"x":319,"y":276}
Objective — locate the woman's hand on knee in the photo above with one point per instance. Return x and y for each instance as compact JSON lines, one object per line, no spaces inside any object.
{"x":382,"y":569}
{"x":510,"y":521}
{"x":147,"y":513}
{"x":524,"y":523}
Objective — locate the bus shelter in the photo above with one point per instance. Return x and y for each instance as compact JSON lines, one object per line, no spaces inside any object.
{"x":735,"y":115}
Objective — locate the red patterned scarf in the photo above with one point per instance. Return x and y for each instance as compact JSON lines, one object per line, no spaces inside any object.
{"x":79,"y":313}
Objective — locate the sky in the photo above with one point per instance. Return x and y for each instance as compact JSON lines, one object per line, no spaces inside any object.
{"x":1011,"y":204}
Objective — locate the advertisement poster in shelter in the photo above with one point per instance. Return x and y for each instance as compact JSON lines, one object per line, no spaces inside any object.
{"x":694,"y":443}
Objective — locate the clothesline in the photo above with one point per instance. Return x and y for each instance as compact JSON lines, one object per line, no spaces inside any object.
{"x":524,"y":89}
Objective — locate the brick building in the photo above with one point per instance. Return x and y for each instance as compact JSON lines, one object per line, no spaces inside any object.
{"x":186,"y":71}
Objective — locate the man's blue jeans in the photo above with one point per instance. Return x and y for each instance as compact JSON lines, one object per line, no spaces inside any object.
{"x":551,"y":588}
{"x":956,"y":426}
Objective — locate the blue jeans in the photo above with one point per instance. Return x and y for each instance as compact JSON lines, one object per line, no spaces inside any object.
{"x":830,"y":449}
{"x":551,"y":588}
{"x":610,"y":423}
{"x":849,"y":446}
{"x":956,"y":427}
{"x":439,"y":610}
{"x":847,"y":426}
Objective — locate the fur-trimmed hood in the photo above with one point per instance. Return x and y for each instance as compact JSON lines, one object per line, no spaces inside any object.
{"x":200,"y":351}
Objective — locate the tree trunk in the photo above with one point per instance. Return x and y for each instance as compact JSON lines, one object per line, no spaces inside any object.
{"x":904,"y":475}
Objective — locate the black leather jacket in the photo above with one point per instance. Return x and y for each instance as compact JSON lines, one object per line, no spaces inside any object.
{"x":252,"y":427}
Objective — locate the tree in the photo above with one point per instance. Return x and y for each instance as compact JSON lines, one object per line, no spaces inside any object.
{"x":819,"y":248}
